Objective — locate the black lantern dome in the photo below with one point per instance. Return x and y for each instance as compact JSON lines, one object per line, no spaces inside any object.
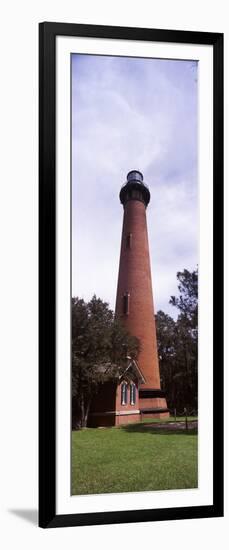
{"x":134,"y":188}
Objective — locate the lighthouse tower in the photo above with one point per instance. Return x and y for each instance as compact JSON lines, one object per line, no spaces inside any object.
{"x":134,"y":302}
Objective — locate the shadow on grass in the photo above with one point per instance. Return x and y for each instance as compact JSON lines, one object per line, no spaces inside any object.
{"x":156,"y":430}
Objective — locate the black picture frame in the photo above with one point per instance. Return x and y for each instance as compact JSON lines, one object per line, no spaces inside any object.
{"x":48,"y":31}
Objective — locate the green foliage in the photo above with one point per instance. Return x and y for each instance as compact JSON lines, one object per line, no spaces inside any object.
{"x":99,"y":347}
{"x":186,"y":302}
{"x":178,"y":344}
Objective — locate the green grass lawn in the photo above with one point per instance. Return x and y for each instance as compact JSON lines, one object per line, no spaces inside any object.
{"x":136,"y":457}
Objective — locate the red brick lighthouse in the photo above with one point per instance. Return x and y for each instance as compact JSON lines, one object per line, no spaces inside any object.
{"x":134,"y":302}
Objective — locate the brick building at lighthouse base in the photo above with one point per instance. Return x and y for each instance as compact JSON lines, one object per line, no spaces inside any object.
{"x":137,"y":394}
{"x":117,"y":402}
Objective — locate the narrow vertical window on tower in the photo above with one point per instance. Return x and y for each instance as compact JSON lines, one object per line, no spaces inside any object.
{"x":132,"y":394}
{"x":129,"y":240}
{"x":124,"y":393}
{"x":126,"y":303}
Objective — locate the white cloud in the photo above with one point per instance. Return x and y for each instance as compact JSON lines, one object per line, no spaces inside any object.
{"x":133,"y":114}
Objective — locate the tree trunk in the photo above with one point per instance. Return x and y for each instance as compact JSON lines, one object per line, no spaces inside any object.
{"x":82,"y":410}
{"x":87,"y":411}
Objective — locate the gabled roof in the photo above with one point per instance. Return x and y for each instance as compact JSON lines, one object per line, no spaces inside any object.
{"x":130,"y":371}
{"x":133,"y":368}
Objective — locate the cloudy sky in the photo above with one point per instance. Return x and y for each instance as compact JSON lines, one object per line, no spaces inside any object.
{"x":133,"y":113}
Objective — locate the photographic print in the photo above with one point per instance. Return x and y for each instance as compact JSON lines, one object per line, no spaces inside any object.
{"x":130,"y":292}
{"x":135,"y":230}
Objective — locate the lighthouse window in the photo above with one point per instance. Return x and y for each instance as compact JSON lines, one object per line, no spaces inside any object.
{"x":132,"y":394}
{"x":126,"y":303}
{"x":129,"y":240}
{"x":124,"y":393}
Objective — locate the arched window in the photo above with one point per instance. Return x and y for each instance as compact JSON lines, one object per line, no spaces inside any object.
{"x":124,"y":393}
{"x":132,"y":394}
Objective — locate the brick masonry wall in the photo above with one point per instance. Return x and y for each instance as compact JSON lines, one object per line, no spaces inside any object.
{"x":153,"y":402}
{"x":128,"y":407}
{"x":108,"y":401}
{"x":122,"y":420}
{"x":135,"y":278}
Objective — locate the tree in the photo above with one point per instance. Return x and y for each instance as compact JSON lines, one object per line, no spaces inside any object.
{"x":187,"y":331}
{"x":178,"y":344}
{"x":167,"y":352}
{"x":187,"y":301}
{"x":99,"y":347}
